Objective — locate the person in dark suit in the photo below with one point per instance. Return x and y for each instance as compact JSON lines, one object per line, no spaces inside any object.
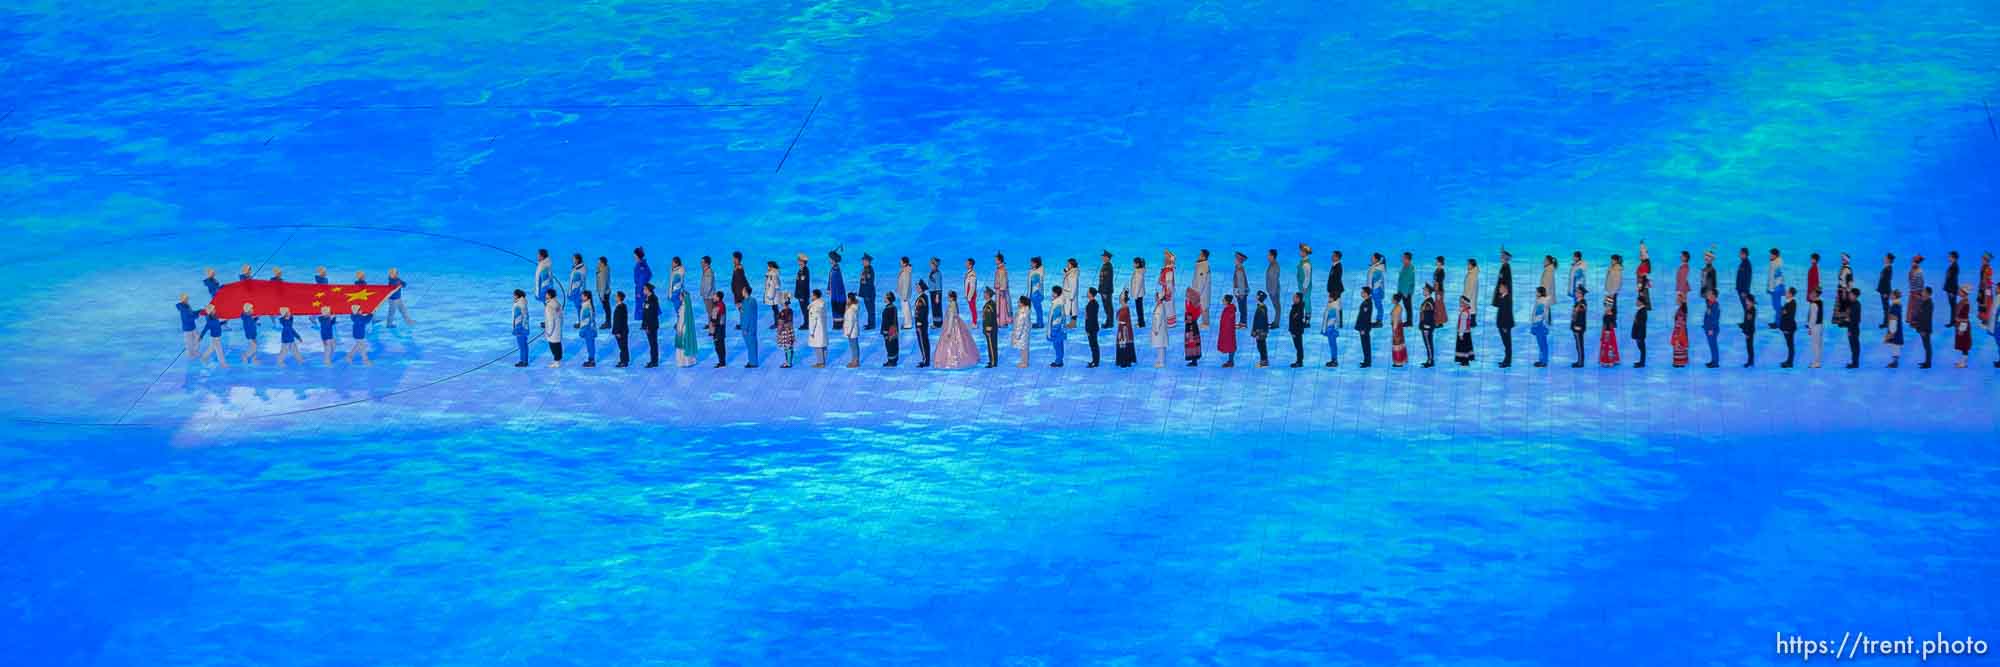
{"x":621,"y":330}
{"x":802,"y":291}
{"x":1364,"y":323}
{"x":1503,"y":318}
{"x":1091,"y":324}
{"x":1579,"y":317}
{"x":1711,"y":325}
{"x":936,"y":281}
{"x":1749,"y":327}
{"x":1295,"y":323}
{"x":649,"y":320}
{"x":1920,"y":320}
{"x":1336,"y":281}
{"x":866,"y":288}
{"x":989,"y":324}
{"x":1788,"y":323}
{"x":1644,"y":305}
{"x":920,"y":319}
{"x":718,"y":327}
{"x":1884,"y":285}
{"x":1104,"y":276}
{"x":1260,"y":328}
{"x":1951,"y":286}
{"x":1847,"y":314}
{"x":1742,"y":273}
{"x":891,"y":328}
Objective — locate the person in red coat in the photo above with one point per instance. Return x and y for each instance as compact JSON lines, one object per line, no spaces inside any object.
{"x":1225,"y":338}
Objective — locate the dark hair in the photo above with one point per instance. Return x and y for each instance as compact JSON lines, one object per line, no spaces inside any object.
{"x":586,"y":296}
{"x":603,"y":260}
{"x":542,"y":253}
{"x":549,"y":293}
{"x":640,"y":251}
{"x":518,"y":294}
{"x":621,"y":295}
{"x":736,"y":254}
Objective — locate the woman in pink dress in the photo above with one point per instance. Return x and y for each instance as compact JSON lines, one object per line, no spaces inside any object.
{"x":955,"y":349}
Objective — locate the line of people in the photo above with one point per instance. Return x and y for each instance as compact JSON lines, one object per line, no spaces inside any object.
{"x":823,"y":311}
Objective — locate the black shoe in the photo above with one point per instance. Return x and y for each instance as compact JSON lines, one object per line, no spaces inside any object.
{"x":1923,"y":365}
{"x":1854,"y":365}
{"x":720,"y":365}
{"x":1893,"y":364}
{"x":621,"y":365}
{"x":1331,"y":364}
{"x":521,"y":365}
{"x":1576,"y":365}
{"x":1713,"y":365}
{"x":924,"y":365}
{"x":749,"y":365}
{"x":888,"y":364}
{"x":1639,"y":365}
{"x":1055,"y":364}
{"x":1747,"y":364}
{"x":1090,"y":365}
{"x":1541,"y":364}
{"x":653,"y":365}
{"x":590,"y":364}
{"x":1298,"y":364}
{"x":1786,"y":364}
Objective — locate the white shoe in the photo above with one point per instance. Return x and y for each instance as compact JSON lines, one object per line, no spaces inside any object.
{"x":555,"y":364}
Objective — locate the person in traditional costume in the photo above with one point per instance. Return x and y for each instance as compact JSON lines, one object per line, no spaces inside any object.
{"x":1127,"y":353}
{"x":1919,"y":315}
{"x":686,"y":347}
{"x":1548,"y":280}
{"x":1463,"y":352}
{"x":1678,"y":340}
{"x":1614,"y":277}
{"x":1607,"y":339}
{"x":1058,"y":327}
{"x":1018,"y":333}
{"x":1815,"y":324}
{"x":1847,"y":314}
{"x":1892,"y":336}
{"x":836,"y":289}
{"x":1194,"y":303}
{"x":1160,"y":327}
{"x":774,"y":296}
{"x":1681,"y":279}
{"x":1201,"y":284}
{"x":1399,"y":354}
{"x":1330,"y":325}
{"x":1072,"y":276}
{"x":1471,"y":292}
{"x":1260,"y":328}
{"x":817,"y":330}
{"x":1005,"y":303}
{"x":718,"y":328}
{"x":1225,"y":337}
{"x":1428,"y":323}
{"x":788,"y":336}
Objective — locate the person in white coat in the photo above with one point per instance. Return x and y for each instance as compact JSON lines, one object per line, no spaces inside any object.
{"x":903,"y":276}
{"x":774,"y":293}
{"x":1019,"y":332}
{"x":816,"y":334}
{"x":1070,"y":275}
{"x":1201,"y":286}
{"x":552,"y":325}
{"x":1160,"y":328}
{"x":850,"y":328}
{"x":1472,"y":287}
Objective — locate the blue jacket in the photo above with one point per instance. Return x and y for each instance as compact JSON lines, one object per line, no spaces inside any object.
{"x":213,"y":327}
{"x":325,"y":326}
{"x":1711,"y":318}
{"x":187,"y":317}
{"x":285,"y":332}
{"x":249,"y":326}
{"x":396,"y":284}
{"x":587,"y":325}
{"x":212,"y":284}
{"x":520,"y":319}
{"x":360,"y":325}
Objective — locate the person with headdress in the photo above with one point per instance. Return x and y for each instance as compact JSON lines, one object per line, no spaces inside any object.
{"x":1260,"y":329}
{"x":1201,"y":283}
{"x":1844,"y":277}
{"x":1191,"y":345}
{"x":836,"y":289}
{"x":817,"y":330}
{"x":1678,"y":340}
{"x":1330,"y":324}
{"x":802,"y":293}
{"x":1058,"y":328}
{"x":1004,"y":303}
{"x":1127,"y":353}
{"x":866,"y":289}
{"x":1365,"y":321}
{"x":1037,"y":276}
{"x":1643,"y":309}
{"x":1239,"y":285}
{"x":1225,"y":337}
{"x":1463,"y":353}
{"x":1645,"y":270}
{"x":955,"y":340}
{"x":922,"y":325}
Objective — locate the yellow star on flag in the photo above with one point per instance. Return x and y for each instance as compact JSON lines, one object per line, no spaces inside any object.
{"x":336,"y":289}
{"x":319,"y":294}
{"x":360,"y":296}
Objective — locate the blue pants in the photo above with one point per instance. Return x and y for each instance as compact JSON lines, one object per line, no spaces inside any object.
{"x":590,"y":349}
{"x":1777,"y":303}
{"x":1058,"y":346}
{"x":1036,"y":300}
{"x":1541,"y":345}
{"x":521,"y":342}
{"x":1713,"y":355}
{"x":750,"y":344}
{"x":868,"y":306}
{"x":1333,"y":347}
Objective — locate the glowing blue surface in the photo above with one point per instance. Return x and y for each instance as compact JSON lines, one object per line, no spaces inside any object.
{"x":433,"y":510}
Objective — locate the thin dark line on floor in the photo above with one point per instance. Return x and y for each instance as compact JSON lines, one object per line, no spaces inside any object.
{"x":178,"y":353}
{"x":796,"y":135}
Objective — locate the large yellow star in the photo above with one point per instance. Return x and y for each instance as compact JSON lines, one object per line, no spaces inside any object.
{"x":360,"y":295}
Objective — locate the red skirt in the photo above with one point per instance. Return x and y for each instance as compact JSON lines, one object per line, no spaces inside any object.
{"x":1607,"y":348}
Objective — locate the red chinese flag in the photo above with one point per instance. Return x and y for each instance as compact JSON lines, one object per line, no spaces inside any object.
{"x":303,"y":298}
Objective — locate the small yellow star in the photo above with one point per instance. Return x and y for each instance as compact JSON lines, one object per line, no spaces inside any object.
{"x":319,"y":294}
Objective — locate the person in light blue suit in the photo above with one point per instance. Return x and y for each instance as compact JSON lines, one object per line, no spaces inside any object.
{"x":1774,"y":284}
{"x":746,"y":318}
{"x":1330,"y":327}
{"x":1035,"y":278}
{"x":521,"y":327}
{"x":1058,"y":333}
{"x":1539,"y":325}
{"x":586,"y":324}
{"x":578,"y":274}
